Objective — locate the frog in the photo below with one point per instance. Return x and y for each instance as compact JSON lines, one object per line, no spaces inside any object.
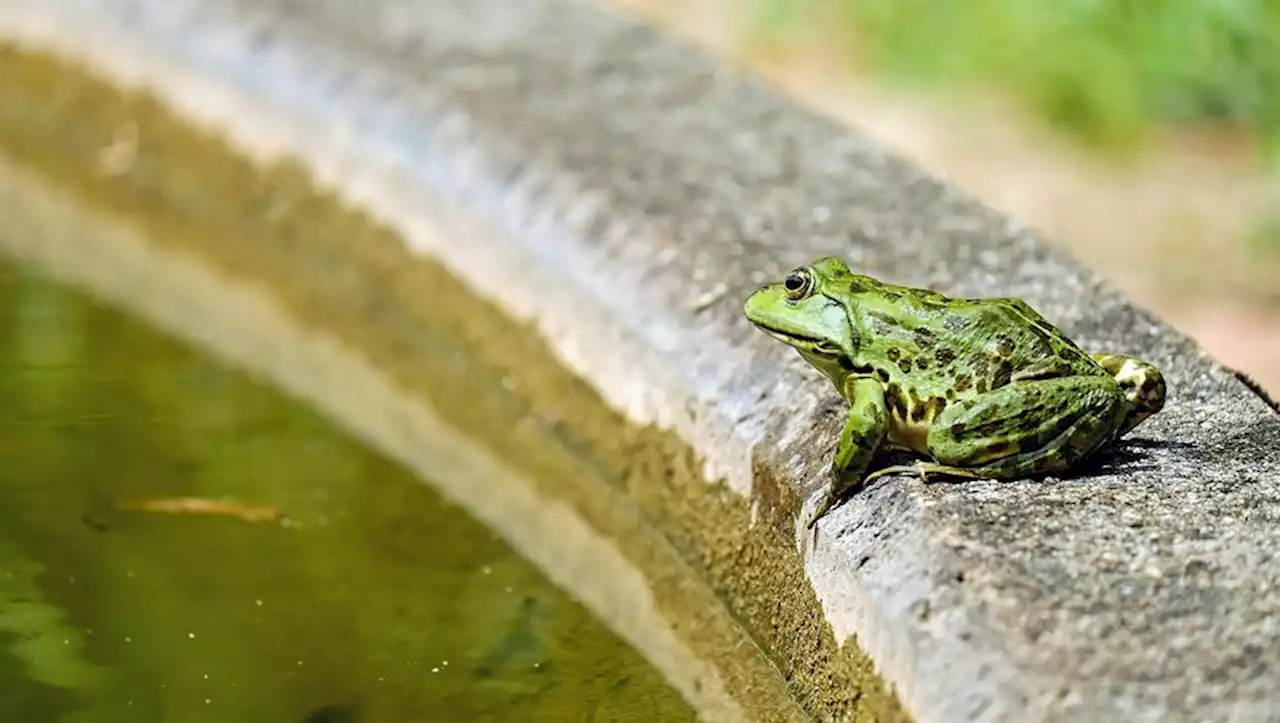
{"x":975,"y":388}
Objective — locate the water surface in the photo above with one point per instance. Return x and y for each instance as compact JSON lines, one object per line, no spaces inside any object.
{"x":375,"y":599}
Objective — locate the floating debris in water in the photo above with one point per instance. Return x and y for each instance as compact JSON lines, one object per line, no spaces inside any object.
{"x":201,"y":506}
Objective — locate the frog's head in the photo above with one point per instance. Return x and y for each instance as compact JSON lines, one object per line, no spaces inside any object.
{"x":806,"y":311}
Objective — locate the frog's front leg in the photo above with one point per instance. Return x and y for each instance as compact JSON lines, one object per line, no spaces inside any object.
{"x":862,"y":435}
{"x":1141,"y":383}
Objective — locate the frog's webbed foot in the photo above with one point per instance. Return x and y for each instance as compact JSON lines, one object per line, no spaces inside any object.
{"x":823,"y":508}
{"x":836,"y":491}
{"x":830,"y":498}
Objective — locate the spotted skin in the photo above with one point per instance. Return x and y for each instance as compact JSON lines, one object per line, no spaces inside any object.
{"x":1141,"y":383}
{"x":981,"y":388}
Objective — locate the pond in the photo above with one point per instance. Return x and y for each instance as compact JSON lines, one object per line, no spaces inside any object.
{"x":338,"y":588}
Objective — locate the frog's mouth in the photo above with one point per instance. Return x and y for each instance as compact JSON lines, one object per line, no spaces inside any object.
{"x":810,"y":344}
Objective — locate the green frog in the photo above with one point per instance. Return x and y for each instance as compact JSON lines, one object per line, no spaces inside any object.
{"x":983,"y":388}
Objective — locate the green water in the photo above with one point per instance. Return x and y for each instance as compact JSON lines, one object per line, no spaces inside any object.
{"x":379,"y":602}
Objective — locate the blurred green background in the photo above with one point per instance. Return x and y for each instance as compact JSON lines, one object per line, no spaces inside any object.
{"x":1104,"y":70}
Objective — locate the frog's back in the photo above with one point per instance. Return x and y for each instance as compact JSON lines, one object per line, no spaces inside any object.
{"x":935,"y":346}
{"x":1027,"y":340}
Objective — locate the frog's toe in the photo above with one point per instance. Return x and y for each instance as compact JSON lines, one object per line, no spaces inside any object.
{"x":896,"y":469}
{"x":832,"y":498}
{"x":925,"y":469}
{"x":823,"y":508}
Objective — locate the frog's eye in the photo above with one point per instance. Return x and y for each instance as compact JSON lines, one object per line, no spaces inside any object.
{"x":798,"y":284}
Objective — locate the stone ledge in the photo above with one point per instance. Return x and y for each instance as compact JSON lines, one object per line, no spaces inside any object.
{"x":635,"y":192}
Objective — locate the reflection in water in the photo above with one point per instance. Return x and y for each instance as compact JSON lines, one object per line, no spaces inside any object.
{"x":378,"y":601}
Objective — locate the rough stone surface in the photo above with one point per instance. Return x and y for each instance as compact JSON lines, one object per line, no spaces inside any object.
{"x":646,"y":190}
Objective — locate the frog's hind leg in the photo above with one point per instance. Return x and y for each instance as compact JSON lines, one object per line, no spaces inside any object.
{"x":1141,"y":382}
{"x":1025,"y":429}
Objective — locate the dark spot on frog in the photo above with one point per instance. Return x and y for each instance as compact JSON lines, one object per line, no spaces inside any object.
{"x":1127,"y":385}
{"x":1004,"y":347}
{"x":859,"y":440}
{"x":963,"y":382}
{"x":883,"y":374}
{"x":922,"y":363}
{"x":957,"y":431}
{"x":936,"y":407}
{"x":925,"y":338}
{"x":857,"y":287}
{"x":982,"y":385}
{"x":919,"y":408}
{"x":918,"y":411}
{"x":895,"y":400}
{"x":1148,"y":386}
{"x":893,"y":354}
{"x":951,"y":394}
{"x":1002,"y":375}
{"x":905,"y":365}
{"x":944,"y":356}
